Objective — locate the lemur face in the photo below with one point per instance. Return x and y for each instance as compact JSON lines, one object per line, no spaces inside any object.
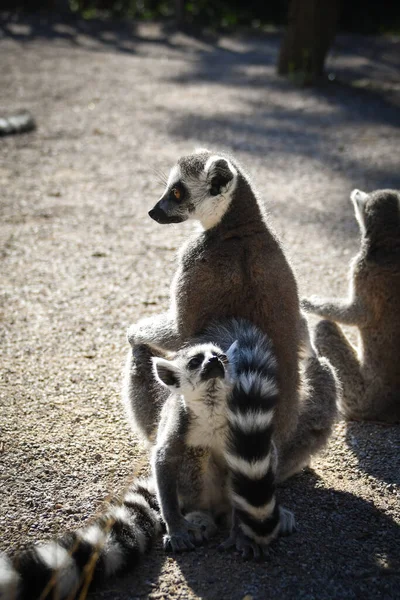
{"x":199,"y":187}
{"x":193,"y":370}
{"x":378,"y":213}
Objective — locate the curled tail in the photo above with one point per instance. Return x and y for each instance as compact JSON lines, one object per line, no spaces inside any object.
{"x":250,"y":451}
{"x":66,"y":567}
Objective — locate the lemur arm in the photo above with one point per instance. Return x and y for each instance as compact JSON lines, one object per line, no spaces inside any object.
{"x":348,"y":312}
{"x":158,"y":330}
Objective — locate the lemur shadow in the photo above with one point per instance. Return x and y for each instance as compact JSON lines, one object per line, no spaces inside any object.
{"x":344,"y":548}
{"x":377,"y":448}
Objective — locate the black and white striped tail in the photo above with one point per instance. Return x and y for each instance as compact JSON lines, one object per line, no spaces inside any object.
{"x":250,"y":452}
{"x":63,"y":568}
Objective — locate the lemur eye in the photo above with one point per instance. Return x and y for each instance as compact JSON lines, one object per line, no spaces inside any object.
{"x":196,"y":361}
{"x":177,"y":193}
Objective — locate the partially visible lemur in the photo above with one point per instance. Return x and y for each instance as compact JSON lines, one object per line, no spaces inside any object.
{"x":371,"y":375}
{"x":215,"y":452}
{"x":235,"y":267}
{"x":219,"y":417}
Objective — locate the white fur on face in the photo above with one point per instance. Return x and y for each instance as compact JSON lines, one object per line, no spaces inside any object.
{"x":359,"y":200}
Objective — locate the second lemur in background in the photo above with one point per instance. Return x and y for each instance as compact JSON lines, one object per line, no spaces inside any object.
{"x":370,"y":375}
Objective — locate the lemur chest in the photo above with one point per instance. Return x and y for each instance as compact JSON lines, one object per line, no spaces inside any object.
{"x":207,"y":428}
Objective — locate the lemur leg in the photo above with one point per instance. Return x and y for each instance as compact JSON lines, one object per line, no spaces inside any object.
{"x":317,"y":415}
{"x":143,"y":396}
{"x":332,"y":343}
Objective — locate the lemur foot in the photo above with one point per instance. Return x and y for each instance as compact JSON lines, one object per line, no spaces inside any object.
{"x":204,"y":522}
{"x":247,"y":547}
{"x":251,"y":549}
{"x":193,"y":531}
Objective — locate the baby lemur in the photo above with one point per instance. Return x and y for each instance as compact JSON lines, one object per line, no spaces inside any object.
{"x":234,"y":267}
{"x":371,"y":374}
{"x":215,"y":450}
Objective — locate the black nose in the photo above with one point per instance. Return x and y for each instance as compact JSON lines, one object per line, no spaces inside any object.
{"x":161,"y":217}
{"x":213,"y":369}
{"x":158,"y":215}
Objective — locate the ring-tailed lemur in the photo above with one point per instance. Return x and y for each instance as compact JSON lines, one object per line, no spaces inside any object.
{"x":214,"y":450}
{"x":214,"y":453}
{"x":371,"y":374}
{"x":235,"y":267}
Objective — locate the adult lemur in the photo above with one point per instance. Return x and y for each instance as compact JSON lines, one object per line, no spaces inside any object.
{"x":235,"y":267}
{"x":371,"y":375}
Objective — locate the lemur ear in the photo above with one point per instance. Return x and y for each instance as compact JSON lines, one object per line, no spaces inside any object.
{"x":220,"y":172}
{"x":359,"y":199}
{"x":230,"y":353}
{"x":166,"y":372}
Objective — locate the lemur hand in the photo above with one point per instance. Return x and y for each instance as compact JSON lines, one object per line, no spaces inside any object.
{"x":185,"y":537}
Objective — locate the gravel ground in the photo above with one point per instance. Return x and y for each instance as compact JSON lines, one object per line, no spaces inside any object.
{"x":80,"y":261}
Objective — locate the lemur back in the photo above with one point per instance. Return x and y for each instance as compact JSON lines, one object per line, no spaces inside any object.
{"x":370,"y":375}
{"x":234,"y":268}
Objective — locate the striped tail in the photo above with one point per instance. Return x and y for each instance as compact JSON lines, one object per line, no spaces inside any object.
{"x":66,"y":567}
{"x":250,"y":451}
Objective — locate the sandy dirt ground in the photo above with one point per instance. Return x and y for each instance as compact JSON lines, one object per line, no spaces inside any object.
{"x":81,"y":260}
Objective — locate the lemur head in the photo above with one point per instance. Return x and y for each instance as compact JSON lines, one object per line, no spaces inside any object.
{"x":378,"y":215}
{"x":199,"y":187}
{"x":193,"y":371}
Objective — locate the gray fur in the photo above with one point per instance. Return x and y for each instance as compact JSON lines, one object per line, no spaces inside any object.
{"x":235,"y":267}
{"x":370,"y":375}
{"x":187,"y":458}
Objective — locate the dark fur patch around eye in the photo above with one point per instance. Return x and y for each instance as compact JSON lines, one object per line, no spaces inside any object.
{"x":222,"y":175}
{"x":178,"y":193}
{"x":167,"y":376}
{"x":195,"y":362}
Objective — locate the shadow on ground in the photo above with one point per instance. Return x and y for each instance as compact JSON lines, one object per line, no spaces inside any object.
{"x":327,"y":519}
{"x":369,"y":442}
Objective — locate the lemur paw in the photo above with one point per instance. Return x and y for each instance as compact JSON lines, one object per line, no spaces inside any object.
{"x":287,"y":521}
{"x":309,"y":304}
{"x":178,"y":542}
{"x":203,"y":523}
{"x":189,"y":535}
{"x":247,"y":547}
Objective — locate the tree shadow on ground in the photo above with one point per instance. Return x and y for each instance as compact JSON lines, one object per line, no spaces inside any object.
{"x":104,"y":34}
{"x":369,"y":442}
